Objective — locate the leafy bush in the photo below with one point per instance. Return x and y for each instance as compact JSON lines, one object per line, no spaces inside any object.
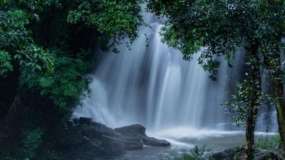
{"x":268,"y":142}
{"x":17,"y":49}
{"x":195,"y":154}
{"x":66,"y":83}
{"x":13,"y":32}
{"x":31,"y":143}
{"x":5,"y":63}
{"x":111,"y":17}
{"x":52,"y":64}
{"x":45,"y":48}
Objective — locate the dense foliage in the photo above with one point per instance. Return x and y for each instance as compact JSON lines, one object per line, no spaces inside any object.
{"x":53,"y":38}
{"x":223,"y":26}
{"x":46,"y":48}
{"x":220,"y":26}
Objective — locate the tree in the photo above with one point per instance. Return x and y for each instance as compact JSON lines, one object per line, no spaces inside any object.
{"x":222,"y":27}
{"x":274,"y":23}
{"x":19,"y":53}
{"x":47,"y":47}
{"x":52,"y":34}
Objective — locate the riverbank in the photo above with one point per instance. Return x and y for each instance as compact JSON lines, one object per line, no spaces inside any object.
{"x":84,"y":139}
{"x":266,"y":150}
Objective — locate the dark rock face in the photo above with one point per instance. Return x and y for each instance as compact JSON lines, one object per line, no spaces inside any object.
{"x":84,"y":139}
{"x":150,"y":141}
{"x":132,"y":130}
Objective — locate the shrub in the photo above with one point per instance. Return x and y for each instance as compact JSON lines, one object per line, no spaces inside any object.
{"x":195,"y":154}
{"x":31,"y":143}
{"x":268,"y":143}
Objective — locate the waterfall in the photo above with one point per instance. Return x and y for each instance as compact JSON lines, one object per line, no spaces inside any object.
{"x":150,"y":83}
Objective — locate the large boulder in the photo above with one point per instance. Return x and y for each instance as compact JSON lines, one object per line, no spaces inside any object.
{"x":131,"y":136}
{"x":137,"y":132}
{"x":84,"y":139}
{"x":132,"y":130}
{"x":150,"y":141}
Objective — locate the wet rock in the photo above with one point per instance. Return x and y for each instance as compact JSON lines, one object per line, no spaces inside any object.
{"x":132,"y":143}
{"x":132,"y":130}
{"x":96,"y":129}
{"x":82,"y":121}
{"x":138,"y":133}
{"x":150,"y":141}
{"x":83,"y":138}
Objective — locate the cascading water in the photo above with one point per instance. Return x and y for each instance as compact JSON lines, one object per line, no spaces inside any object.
{"x":150,"y":83}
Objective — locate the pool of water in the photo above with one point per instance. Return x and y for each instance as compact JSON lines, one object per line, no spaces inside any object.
{"x":183,"y":140}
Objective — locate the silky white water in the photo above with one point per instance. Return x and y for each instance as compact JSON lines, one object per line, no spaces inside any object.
{"x":149,"y":83}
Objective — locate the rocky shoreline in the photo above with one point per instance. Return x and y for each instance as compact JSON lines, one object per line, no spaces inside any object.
{"x":85,"y":139}
{"x":238,"y":154}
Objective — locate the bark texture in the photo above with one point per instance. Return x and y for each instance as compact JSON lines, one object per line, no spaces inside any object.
{"x":254,"y":79}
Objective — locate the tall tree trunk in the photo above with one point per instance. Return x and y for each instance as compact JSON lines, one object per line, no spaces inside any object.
{"x":254,"y":79}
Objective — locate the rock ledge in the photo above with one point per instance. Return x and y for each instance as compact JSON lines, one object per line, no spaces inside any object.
{"x":83,"y":138}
